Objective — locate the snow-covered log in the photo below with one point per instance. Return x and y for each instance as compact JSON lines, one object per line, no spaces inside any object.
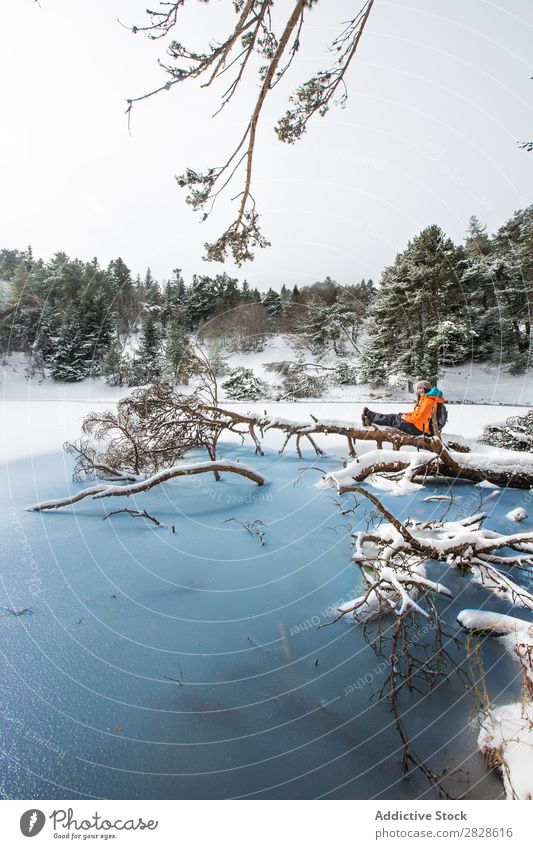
{"x":497,"y":625}
{"x":504,"y":468}
{"x":506,"y":739}
{"x":106,"y":491}
{"x":300,"y":430}
{"x":155,"y":427}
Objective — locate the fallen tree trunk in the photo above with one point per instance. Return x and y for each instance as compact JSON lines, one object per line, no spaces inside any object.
{"x":439,"y":461}
{"x":106,"y":491}
{"x":155,"y":427}
{"x":307,"y":430}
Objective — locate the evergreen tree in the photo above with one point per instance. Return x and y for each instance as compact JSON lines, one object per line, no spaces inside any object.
{"x":9,"y":260}
{"x":477,"y":281}
{"x":114,"y":366}
{"x":148,"y":359}
{"x":201,"y":299}
{"x":245,"y":291}
{"x":175,"y":352}
{"x":96,"y":326}
{"x":218,"y":358}
{"x":46,"y":333}
{"x":124,"y":297}
{"x":419,"y":291}
{"x":226,"y":291}
{"x":151,"y":293}
{"x":317,"y":334}
{"x":243,"y":385}
{"x":513,"y":278}
{"x":175,"y":300}
{"x":70,"y":360}
{"x":274,"y":308}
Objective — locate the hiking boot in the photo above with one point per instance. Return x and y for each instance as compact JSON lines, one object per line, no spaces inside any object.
{"x":364,"y":417}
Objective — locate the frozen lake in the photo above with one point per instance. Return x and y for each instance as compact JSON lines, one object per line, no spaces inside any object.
{"x":188,"y":665}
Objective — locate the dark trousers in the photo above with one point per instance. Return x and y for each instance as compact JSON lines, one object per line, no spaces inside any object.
{"x":393,"y":420}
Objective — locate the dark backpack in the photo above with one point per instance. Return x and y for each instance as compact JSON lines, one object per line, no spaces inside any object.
{"x":442,"y":416}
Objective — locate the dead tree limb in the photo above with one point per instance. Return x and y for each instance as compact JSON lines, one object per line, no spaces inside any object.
{"x":105,"y":491}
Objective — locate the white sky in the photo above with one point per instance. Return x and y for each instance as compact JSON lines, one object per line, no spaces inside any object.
{"x":438,"y":95}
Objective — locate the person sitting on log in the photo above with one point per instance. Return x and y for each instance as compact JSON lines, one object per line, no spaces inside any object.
{"x":419,"y":421}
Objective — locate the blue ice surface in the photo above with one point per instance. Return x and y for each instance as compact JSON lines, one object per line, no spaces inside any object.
{"x":188,"y":664}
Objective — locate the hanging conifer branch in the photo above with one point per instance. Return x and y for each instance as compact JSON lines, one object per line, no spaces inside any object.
{"x":253,"y":33}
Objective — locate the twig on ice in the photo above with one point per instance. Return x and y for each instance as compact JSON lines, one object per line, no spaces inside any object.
{"x":137,"y":513}
{"x":254,"y":528}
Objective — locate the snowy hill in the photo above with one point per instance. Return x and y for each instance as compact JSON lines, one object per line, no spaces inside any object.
{"x":470,"y":383}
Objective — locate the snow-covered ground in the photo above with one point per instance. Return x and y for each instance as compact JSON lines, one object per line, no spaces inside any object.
{"x":38,"y":416}
{"x":471,"y":383}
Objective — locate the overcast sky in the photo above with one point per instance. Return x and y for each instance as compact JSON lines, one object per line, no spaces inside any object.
{"x":439,"y":94}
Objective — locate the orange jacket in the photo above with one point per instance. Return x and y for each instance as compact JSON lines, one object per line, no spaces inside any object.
{"x":423,"y":411}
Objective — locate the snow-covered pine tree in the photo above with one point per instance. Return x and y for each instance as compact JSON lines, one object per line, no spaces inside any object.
{"x":353,"y":303}
{"x":516,"y":433}
{"x":418,"y":292}
{"x":477,"y":280}
{"x":316,"y":322}
{"x":175,"y":353}
{"x":124,"y":296}
{"x":96,"y":322}
{"x":71,"y":360}
{"x":274,"y":308}
{"x":227,"y":293}
{"x":346,"y":373}
{"x":243,"y":385}
{"x":9,"y":261}
{"x":300,"y":383}
{"x":513,"y":281}
{"x":201,"y":297}
{"x":27,"y":294}
{"x":218,"y":358}
{"x":43,"y":346}
{"x":114,"y":366}
{"x":246,"y":294}
{"x":147,"y":367}
{"x":175,"y":300}
{"x":285,"y":294}
{"x":149,"y":292}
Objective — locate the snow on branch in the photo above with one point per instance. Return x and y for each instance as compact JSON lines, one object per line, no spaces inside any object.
{"x":105,"y":491}
{"x":504,"y":468}
{"x":506,"y":732}
{"x":156,"y":426}
{"x":393,"y":557}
